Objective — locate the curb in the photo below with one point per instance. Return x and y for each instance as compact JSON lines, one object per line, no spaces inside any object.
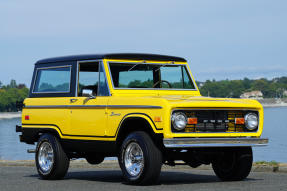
{"x":113,"y":164}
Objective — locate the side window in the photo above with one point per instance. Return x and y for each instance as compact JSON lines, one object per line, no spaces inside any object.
{"x":53,"y":80}
{"x":88,"y":77}
{"x":103,"y":88}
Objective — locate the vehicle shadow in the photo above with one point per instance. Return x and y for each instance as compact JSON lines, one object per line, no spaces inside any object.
{"x":173,"y":178}
{"x":166,"y":177}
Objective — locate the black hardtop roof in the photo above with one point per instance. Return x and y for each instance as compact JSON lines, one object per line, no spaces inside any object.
{"x":128,"y":56}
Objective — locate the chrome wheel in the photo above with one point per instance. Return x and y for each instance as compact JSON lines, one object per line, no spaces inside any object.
{"x":134,"y":159}
{"x":46,"y":157}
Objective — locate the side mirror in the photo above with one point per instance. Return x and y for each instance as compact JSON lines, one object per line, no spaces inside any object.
{"x":87,"y":93}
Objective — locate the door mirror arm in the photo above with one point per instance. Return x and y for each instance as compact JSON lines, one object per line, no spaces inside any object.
{"x":89,"y":94}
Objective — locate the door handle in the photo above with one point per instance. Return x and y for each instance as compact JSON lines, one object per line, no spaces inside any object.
{"x":73,"y":100}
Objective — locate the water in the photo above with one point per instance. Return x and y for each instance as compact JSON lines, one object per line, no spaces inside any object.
{"x":275,"y":128}
{"x":10,"y":146}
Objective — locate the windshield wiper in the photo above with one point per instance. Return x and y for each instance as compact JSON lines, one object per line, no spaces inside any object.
{"x":134,"y":66}
{"x":158,"y":68}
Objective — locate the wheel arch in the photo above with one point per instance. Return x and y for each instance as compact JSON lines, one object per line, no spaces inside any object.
{"x":32,"y":135}
{"x":138,"y":122}
{"x":50,"y":131}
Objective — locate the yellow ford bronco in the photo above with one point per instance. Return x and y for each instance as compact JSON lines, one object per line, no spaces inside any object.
{"x":145,"y":109}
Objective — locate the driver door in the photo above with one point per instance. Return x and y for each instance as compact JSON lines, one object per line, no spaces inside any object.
{"x":88,"y":112}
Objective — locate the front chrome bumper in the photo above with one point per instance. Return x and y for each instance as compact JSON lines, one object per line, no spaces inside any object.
{"x":214,"y":142}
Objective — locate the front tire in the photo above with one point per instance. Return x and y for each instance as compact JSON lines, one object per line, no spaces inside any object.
{"x":234,"y":165}
{"x":140,"y":159}
{"x":51,"y":161}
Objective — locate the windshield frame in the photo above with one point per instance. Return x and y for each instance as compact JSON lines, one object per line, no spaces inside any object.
{"x":155,"y":63}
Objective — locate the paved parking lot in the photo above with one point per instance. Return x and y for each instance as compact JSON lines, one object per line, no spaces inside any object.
{"x":81,"y":179}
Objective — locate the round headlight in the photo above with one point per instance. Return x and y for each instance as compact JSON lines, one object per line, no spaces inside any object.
{"x":179,"y":121}
{"x":251,"y":121}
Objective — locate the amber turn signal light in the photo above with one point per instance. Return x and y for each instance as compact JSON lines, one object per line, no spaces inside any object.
{"x":157,"y":119}
{"x":239,"y":121}
{"x":192,"y":121}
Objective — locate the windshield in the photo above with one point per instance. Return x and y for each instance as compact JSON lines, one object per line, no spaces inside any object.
{"x":135,"y":75}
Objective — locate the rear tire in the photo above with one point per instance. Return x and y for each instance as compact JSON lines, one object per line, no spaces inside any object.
{"x":234,"y":165}
{"x":140,"y":159}
{"x":51,"y":161}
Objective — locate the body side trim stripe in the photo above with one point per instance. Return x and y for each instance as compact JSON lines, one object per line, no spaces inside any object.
{"x":66,"y":134}
{"x":93,"y":106}
{"x":94,"y":135}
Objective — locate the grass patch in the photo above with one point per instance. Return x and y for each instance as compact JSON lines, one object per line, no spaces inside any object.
{"x":267,"y":163}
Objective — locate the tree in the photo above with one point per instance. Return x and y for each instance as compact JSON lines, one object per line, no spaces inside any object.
{"x":234,"y":88}
{"x":13,"y":84}
{"x":10,"y":94}
{"x":20,"y":86}
{"x":246,"y":83}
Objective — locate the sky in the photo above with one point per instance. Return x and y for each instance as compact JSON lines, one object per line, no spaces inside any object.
{"x":221,"y":39}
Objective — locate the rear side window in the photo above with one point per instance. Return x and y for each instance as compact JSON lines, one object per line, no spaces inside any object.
{"x":53,"y":80}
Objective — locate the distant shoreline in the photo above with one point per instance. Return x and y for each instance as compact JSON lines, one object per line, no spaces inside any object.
{"x":275,"y":105}
{"x":273,"y":102}
{"x":10,"y":115}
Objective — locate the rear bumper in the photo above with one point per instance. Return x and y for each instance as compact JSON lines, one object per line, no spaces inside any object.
{"x":18,"y":128}
{"x":214,"y":142}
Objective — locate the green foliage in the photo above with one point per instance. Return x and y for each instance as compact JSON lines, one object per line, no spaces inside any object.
{"x":138,"y":84}
{"x":234,"y":88}
{"x":164,"y":84}
{"x":267,"y":163}
{"x":274,"y":88}
{"x":10,"y":94}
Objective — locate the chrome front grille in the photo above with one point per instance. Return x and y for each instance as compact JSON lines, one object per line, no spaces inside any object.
{"x":215,"y":120}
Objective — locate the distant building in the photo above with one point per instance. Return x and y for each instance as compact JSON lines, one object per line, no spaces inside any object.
{"x":21,"y":86}
{"x":252,"y":95}
{"x":285,"y":93}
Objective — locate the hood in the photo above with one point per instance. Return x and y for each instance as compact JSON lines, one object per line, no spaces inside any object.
{"x":191,"y":101}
